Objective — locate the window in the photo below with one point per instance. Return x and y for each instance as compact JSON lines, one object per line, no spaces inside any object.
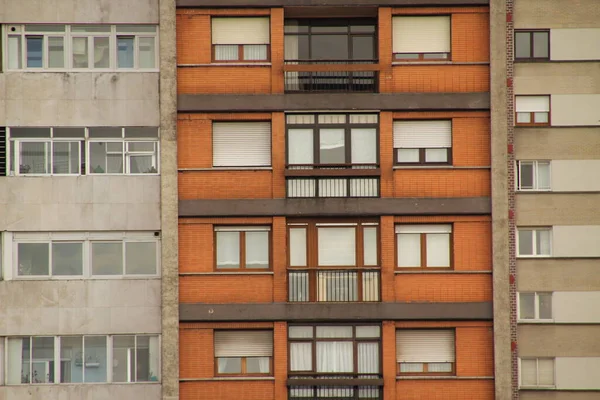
{"x":82,"y":359}
{"x":241,"y":144}
{"x":425,"y":351}
{"x":533,"y":175}
{"x":332,"y":139}
{"x":532,"y":110}
{"x":62,"y":151}
{"x":536,"y":372}
{"x":421,"y":38}
{"x":532,"y":45}
{"x":77,"y":47}
{"x":423,"y":142}
{"x":69,"y":255}
{"x":534,"y":242}
{"x":330,"y":40}
{"x":242,"y":247}
{"x":343,"y":350}
{"x":423,"y":246}
{"x":240,"y":39}
{"x":535,"y":306}
{"x":247,"y":353}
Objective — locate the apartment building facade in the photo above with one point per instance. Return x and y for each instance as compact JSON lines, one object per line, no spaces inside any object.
{"x":555,"y":73}
{"x":334,"y":180}
{"x":81,"y":238}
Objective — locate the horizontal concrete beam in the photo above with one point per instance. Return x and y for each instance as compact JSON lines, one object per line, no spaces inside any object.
{"x":332,"y":101}
{"x":334,"y":207}
{"x":343,"y":3}
{"x":334,"y":312}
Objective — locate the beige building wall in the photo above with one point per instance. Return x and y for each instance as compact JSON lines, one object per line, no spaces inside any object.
{"x":549,"y":275}
{"x":551,"y":340}
{"x":536,"y":14}
{"x":577,"y":372}
{"x":557,"y":78}
{"x":575,"y":44}
{"x":576,"y":307}
{"x":575,"y":175}
{"x":580,"y":143}
{"x":551,"y":208}
{"x":575,"y":110}
{"x":575,"y":241}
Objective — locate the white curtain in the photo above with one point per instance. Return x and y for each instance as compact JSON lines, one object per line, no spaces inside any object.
{"x":257,"y":249}
{"x":368,"y":358}
{"x":370,"y":246}
{"x":528,"y":372}
{"x":409,"y":249}
{"x":543,"y":242}
{"x":438,"y":250}
{"x":15,"y":355}
{"x":140,"y":164}
{"x":255,"y":52}
{"x":300,"y":356}
{"x":226,"y":52}
{"x":291,"y":52}
{"x":153,"y":355}
{"x":337,"y":246}
{"x":297,"y":247}
{"x":335,"y":357}
{"x":228,"y":250}
{"x":300,"y":146}
{"x":35,"y":157}
{"x":14,"y":52}
{"x":364,"y":146}
{"x":543,"y":175}
{"x":263,"y":365}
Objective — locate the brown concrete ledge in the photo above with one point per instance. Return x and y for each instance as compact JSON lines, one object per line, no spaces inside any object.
{"x":334,"y":207}
{"x":334,"y":312}
{"x":344,"y":3}
{"x":332,"y":101}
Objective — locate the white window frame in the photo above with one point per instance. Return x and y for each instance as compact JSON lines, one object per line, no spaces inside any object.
{"x":536,"y":372}
{"x":534,"y":242}
{"x":536,"y":185}
{"x":68,"y":36}
{"x":87,"y":239}
{"x":536,"y":300}
{"x":49,"y":157}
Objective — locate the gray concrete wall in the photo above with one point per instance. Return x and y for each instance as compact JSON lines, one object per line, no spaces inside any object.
{"x":548,"y":340}
{"x":75,"y":307}
{"x":548,"y":275}
{"x":83,"y":203}
{"x":557,"y":144}
{"x":82,"y":392}
{"x":79,"y":99}
{"x":557,"y":78}
{"x":79,"y":11}
{"x":558,"y":209}
{"x":536,"y":14}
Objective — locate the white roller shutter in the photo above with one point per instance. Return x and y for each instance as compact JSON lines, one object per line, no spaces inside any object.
{"x":423,"y":228}
{"x":421,"y":34}
{"x":241,"y":144}
{"x":422,"y":134}
{"x":240,"y":30}
{"x":243,"y":343}
{"x":532,"y":103}
{"x":425,"y":346}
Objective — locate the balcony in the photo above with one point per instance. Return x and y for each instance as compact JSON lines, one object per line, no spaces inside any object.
{"x":334,"y":285}
{"x":318,"y":181}
{"x":363,"y":387}
{"x":333,"y":76}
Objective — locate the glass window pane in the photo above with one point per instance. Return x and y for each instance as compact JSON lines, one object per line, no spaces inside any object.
{"x":438,"y":250}
{"x":106,"y":132}
{"x":543,"y":175}
{"x":147,"y":52}
{"x":140,"y":146}
{"x":409,"y":250}
{"x":363,"y":48}
{"x":522,"y":45}
{"x":545,"y":305}
{"x":140,"y":132}
{"x":436,"y":155}
{"x":137,"y":28}
{"x":545,"y":372}
{"x":528,"y":372}
{"x":329,"y":47}
{"x":526,"y":180}
{"x":368,"y":331}
{"x":297,"y":247}
{"x":142,"y":165}
{"x":80,"y":52}
{"x":406,"y":56}
{"x":95,"y":358}
{"x":91,"y":28}
{"x":67,"y":258}
{"x":526,"y":305}
{"x":34,"y":158}
{"x":337,"y":246}
{"x":408,"y":155}
{"x":34,"y":51}
{"x":125,"y":51}
{"x":19,"y":354}
{"x":525,"y":242}
{"x":106,"y":157}
{"x":66,"y":158}
{"x":439,"y":367}
{"x":71,"y":356}
{"x":411,"y":367}
{"x":368,"y":358}
{"x":144,"y":363}
{"x":30,"y":132}
{"x":540,"y":117}
{"x":335,"y":357}
{"x":140,"y":258}
{"x":107,"y":258}
{"x":332,"y":149}
{"x":543,"y":242}
{"x":101,"y":52}
{"x":337,"y":286}
{"x":68,"y":132}
{"x":370,"y":246}
{"x":56,"y":52}
{"x":228,"y":250}
{"x":229,"y":365}
{"x":299,"y":332}
{"x":123,"y":358}
{"x":363,"y":146}
{"x":42,"y":360}
{"x":14,"y":52}
{"x":258,"y":365}
{"x":255,"y":52}
{"x":300,"y":146}
{"x":226,"y":52}
{"x":334,"y":332}
{"x":540,"y":44}
{"x":33,"y":259}
{"x":257,"y":249}
{"x":523,"y":117}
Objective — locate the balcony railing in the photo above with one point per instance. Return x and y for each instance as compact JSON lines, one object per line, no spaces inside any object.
{"x":334,"y":285}
{"x":304,"y":181}
{"x":363,"y":387}
{"x":332,"y":76}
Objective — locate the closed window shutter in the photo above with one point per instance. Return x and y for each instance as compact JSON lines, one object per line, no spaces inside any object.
{"x":424,"y":228}
{"x":425,"y":346}
{"x":2,"y":151}
{"x":243,"y":344}
{"x":241,"y":144}
{"x":240,"y":30}
{"x":533,"y":103}
{"x":422,"y":134}
{"x":421,"y":34}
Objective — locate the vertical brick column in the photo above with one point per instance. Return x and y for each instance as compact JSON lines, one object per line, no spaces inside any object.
{"x":280,"y":360}
{"x":279,"y":260}
{"x":388,"y":341}
{"x":277,"y":50}
{"x":388,"y":279}
{"x":385,"y":50}
{"x":386,"y":153}
{"x":278,"y":154}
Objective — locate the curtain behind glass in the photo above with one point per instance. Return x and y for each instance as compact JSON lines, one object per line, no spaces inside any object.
{"x":300,"y":356}
{"x":335,"y":357}
{"x":125,"y":51}
{"x":35,"y":158}
{"x":255,"y":52}
{"x":226,"y":52}
{"x":15,"y":357}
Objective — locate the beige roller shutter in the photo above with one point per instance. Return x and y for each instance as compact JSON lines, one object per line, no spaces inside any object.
{"x":533,"y":103}
{"x":421,"y":34}
{"x":422,"y":134}
{"x":243,"y":343}
{"x":427,"y":346}
{"x":241,"y":144}
{"x":424,"y":228}
{"x":240,"y":30}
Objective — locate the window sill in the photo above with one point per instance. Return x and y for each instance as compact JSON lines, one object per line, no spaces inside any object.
{"x":532,"y":191}
{"x":78,"y":71}
{"x":451,"y":271}
{"x":84,"y":278}
{"x":228,"y":378}
{"x":228,"y":64}
{"x":227,"y":273}
{"x":538,"y":388}
{"x":397,"y":167}
{"x":31,"y":385}
{"x":404,"y":63}
{"x":226,"y":169}
{"x":73,"y":175}
{"x":442,"y":377}
{"x":535,"y":321}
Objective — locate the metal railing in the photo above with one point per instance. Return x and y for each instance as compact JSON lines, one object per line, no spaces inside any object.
{"x":358,"y":180}
{"x":331,"y":81}
{"x":334,"y":285}
{"x":366,"y":387}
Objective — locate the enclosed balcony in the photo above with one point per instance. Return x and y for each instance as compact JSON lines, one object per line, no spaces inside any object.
{"x":334,"y":285}
{"x":332,"y":181}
